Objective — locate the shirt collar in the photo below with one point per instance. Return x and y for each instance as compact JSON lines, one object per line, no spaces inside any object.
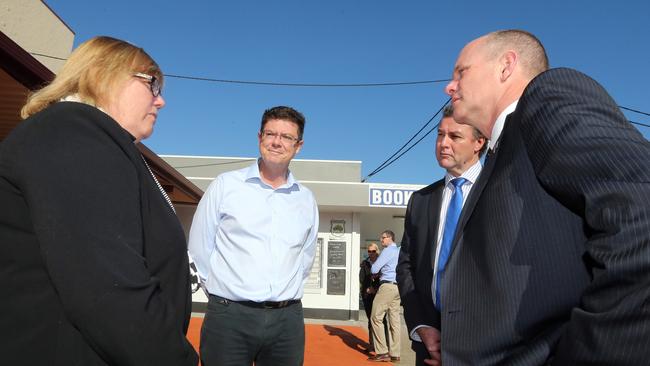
{"x":500,"y":122}
{"x":470,"y":174}
{"x":254,"y":173}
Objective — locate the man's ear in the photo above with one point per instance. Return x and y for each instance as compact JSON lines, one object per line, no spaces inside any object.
{"x":299,"y":145}
{"x":481,"y":141}
{"x":508,"y":64}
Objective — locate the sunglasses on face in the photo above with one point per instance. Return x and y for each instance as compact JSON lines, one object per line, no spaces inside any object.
{"x":154,"y":83}
{"x":372,"y":251}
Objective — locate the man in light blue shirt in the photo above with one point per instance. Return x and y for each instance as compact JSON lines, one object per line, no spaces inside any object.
{"x":253,"y":239}
{"x":387,"y":302}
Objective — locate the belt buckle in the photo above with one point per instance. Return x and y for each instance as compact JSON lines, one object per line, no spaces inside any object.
{"x":275,"y":304}
{"x":222,"y":301}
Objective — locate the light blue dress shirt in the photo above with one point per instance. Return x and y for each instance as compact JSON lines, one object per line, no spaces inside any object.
{"x":252,"y":242}
{"x":386,"y":263}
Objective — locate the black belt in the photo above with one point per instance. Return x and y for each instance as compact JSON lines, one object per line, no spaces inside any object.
{"x":259,"y":305}
{"x":391,"y":282}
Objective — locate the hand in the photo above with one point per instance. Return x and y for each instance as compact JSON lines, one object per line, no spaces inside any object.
{"x":431,"y":339}
{"x":370,"y":290}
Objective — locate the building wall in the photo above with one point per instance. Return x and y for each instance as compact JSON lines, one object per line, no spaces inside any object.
{"x":372,"y":224}
{"x":337,"y":295}
{"x":37,"y":29}
{"x":313,"y":170}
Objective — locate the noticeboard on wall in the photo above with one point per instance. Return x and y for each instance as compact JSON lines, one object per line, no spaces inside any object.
{"x":336,"y":281}
{"x":336,"y":254}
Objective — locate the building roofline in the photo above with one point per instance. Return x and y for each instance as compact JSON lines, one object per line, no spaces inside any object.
{"x":21,"y":65}
{"x":191,"y":193}
{"x":57,"y":15}
{"x":243,"y":158}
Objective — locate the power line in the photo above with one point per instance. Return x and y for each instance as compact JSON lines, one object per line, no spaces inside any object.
{"x":48,"y":56}
{"x":215,"y":164}
{"x":378,"y":84}
{"x":273,"y":83}
{"x":633,"y":110}
{"x":388,"y":161}
{"x":410,"y":147}
{"x":319,"y":85}
{"x":638,"y":123}
{"x":393,"y":158}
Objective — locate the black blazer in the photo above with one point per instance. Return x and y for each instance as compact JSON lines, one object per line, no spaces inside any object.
{"x":93,"y":263}
{"x":551,"y":262}
{"x":417,"y":255}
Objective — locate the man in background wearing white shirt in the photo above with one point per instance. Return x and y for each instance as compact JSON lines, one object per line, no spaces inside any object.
{"x":253,"y":239}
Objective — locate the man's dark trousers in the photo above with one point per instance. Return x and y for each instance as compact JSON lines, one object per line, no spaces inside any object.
{"x":235,"y":334}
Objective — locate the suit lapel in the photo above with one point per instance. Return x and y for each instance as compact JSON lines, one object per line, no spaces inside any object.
{"x":434,"y":218}
{"x":479,"y":186}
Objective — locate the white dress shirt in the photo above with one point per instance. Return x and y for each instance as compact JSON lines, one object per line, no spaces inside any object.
{"x":471,"y":175}
{"x":251,"y":241}
{"x":499,"y":123}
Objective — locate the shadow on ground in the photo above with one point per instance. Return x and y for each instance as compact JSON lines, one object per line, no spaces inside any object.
{"x":348,"y":338}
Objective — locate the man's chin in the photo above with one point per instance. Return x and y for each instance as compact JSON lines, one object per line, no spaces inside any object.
{"x":445,"y":163}
{"x":460,"y":117}
{"x":272,"y":159}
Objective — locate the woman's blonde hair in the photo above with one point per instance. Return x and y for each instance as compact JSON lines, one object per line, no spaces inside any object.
{"x":92,"y":72}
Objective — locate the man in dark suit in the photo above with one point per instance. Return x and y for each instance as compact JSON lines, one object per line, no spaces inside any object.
{"x":458,"y":149}
{"x":551,"y":260}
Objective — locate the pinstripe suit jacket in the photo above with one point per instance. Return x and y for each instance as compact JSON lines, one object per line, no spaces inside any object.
{"x":551,"y":263}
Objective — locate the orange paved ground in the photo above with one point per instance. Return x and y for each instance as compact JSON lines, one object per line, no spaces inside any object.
{"x":325,"y":345}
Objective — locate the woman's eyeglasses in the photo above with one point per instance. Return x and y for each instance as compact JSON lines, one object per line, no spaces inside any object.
{"x":154,"y":83}
{"x":372,"y":251}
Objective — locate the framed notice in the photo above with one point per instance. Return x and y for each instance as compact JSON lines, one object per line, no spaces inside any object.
{"x":336,"y":281}
{"x":336,"y":254}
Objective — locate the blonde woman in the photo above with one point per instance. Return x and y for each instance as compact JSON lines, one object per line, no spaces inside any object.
{"x":93,"y":263}
{"x":368,"y":285}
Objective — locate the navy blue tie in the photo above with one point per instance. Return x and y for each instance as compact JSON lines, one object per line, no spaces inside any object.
{"x":451,"y":221}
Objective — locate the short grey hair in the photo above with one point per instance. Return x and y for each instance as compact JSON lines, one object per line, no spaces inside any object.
{"x":532,"y":55}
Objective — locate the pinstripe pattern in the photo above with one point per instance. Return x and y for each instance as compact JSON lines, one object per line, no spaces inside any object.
{"x":552,"y":261}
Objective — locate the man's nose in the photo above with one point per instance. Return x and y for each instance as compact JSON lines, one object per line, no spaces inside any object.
{"x":444,"y":141}
{"x":451,"y":87}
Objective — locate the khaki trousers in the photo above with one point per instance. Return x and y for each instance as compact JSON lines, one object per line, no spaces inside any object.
{"x":386,"y":303}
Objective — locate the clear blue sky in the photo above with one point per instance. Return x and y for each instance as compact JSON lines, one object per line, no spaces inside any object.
{"x":334,"y":41}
